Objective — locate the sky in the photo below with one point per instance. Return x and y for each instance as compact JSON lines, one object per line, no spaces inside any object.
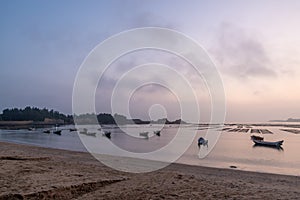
{"x":254,"y":44}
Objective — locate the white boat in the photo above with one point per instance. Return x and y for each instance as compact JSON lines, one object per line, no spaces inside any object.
{"x":144,"y":134}
{"x":91,"y":134}
{"x":84,"y":131}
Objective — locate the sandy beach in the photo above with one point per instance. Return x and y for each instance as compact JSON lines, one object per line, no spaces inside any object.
{"x":29,"y":172}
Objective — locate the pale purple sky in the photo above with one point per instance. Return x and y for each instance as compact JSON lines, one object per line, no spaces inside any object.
{"x":255,"y":45}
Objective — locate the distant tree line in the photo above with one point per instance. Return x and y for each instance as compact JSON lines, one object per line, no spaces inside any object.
{"x":288,"y":120}
{"x":104,"y":118}
{"x":38,"y":115}
{"x":33,"y":114}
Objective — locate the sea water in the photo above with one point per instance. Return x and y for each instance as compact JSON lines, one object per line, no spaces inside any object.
{"x":232,"y":149}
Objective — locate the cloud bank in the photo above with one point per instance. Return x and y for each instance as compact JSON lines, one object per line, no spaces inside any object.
{"x":241,"y":54}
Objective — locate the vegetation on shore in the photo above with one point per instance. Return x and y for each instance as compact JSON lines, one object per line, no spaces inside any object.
{"x":46,"y":116}
{"x":104,"y":118}
{"x":33,"y":114}
{"x":287,"y":120}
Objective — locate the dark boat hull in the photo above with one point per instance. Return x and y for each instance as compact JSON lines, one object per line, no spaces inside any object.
{"x":107,"y":134}
{"x":57,"y":132}
{"x":265,"y":143}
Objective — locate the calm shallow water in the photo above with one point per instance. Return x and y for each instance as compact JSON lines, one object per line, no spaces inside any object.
{"x":233,"y":148}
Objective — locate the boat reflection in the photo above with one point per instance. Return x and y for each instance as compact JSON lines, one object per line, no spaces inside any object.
{"x":279,"y":148}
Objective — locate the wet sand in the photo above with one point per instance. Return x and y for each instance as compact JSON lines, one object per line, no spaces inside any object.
{"x":28,"y":172}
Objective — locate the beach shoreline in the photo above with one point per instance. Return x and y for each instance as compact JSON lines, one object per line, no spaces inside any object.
{"x":30,"y":172}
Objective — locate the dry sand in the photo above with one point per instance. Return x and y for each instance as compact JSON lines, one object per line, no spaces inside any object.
{"x":28,"y":172}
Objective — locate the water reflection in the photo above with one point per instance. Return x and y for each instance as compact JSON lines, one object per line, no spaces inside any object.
{"x":279,"y":148}
{"x":233,"y":148}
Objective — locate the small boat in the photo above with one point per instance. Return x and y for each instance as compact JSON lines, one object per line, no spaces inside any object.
{"x":157,"y":133}
{"x":84,"y":131}
{"x":255,"y":137}
{"x":31,"y":129}
{"x":91,"y":134}
{"x":46,"y":131}
{"x":72,"y":129}
{"x":202,"y":141}
{"x":57,"y":132}
{"x":107,"y":134}
{"x":144,"y":134}
{"x":265,"y":143}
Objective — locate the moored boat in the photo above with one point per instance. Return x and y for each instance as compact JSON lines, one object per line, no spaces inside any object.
{"x":107,"y":134}
{"x":202,"y":141}
{"x":84,"y":131}
{"x":144,"y":134}
{"x":57,"y":132}
{"x":91,"y":134}
{"x":46,"y":131}
{"x":157,"y":133}
{"x":256,"y":137}
{"x":265,"y":143}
